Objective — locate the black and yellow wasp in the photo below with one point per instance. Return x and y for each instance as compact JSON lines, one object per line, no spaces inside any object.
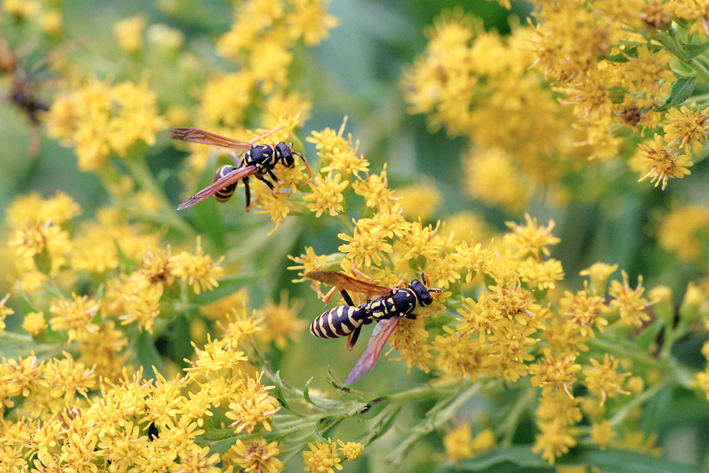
{"x":258,"y":160}
{"x":391,"y":305}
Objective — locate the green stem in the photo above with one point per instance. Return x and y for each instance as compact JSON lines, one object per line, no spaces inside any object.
{"x":509,"y":425}
{"x":636,"y":354}
{"x":638,"y":400}
{"x":140,"y":172}
{"x":442,"y":415}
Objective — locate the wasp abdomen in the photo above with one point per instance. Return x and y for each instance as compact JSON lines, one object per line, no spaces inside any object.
{"x":339,"y":321}
{"x":225,"y":193}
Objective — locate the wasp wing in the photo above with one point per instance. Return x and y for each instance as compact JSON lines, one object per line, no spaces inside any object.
{"x":343,"y":281}
{"x":366,"y":362}
{"x":197,"y":135}
{"x":220,"y":183}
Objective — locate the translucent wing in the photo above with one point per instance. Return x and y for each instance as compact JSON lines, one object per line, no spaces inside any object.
{"x":196,"y":135}
{"x":220,"y":183}
{"x":366,"y":362}
{"x":348,"y":283}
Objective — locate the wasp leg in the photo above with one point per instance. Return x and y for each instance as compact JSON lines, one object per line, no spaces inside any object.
{"x":273,"y":176}
{"x":360,"y":273}
{"x":247,"y":191}
{"x":267,"y":182}
{"x":411,"y":316}
{"x":346,"y":297}
{"x":326,"y":297}
{"x":352,"y":338}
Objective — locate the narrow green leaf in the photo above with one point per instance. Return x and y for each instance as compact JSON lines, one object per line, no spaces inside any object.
{"x":306,"y":391}
{"x":226,"y":287}
{"x":129,"y":265}
{"x":495,"y":460}
{"x":27,"y":305}
{"x":655,"y":410}
{"x":649,"y":335}
{"x":15,"y":345}
{"x":205,"y":215}
{"x":694,"y":50}
{"x":148,"y":355}
{"x":621,"y":461}
{"x":681,"y":90}
{"x":616,"y":94}
{"x":179,"y":335}
{"x":278,"y":391}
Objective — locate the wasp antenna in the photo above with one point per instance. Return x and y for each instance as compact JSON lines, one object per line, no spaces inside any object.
{"x":269,"y":133}
{"x":310,"y":173}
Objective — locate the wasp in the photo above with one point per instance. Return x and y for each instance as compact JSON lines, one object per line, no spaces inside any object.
{"x":391,"y":305}
{"x":23,"y":90}
{"x":259,"y":161}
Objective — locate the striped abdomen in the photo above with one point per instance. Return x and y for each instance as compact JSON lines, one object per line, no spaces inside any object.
{"x":225,"y":193}
{"x":339,"y":321}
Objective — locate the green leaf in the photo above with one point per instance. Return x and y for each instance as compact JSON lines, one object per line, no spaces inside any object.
{"x":649,"y":335}
{"x":694,"y":50}
{"x":681,"y":90}
{"x":15,"y":345}
{"x":306,"y":391}
{"x":226,"y":287}
{"x":27,"y":305}
{"x":616,"y":94}
{"x":278,"y":391}
{"x":205,"y":215}
{"x":621,"y":461}
{"x":501,"y":459}
{"x":656,"y":409}
{"x":178,"y":333}
{"x":148,"y":356}
{"x":129,"y":265}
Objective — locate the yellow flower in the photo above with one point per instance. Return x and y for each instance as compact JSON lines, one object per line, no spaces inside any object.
{"x":686,"y":129}
{"x":660,"y":162}
{"x":531,"y":238}
{"x":680,"y":229}
{"x":252,"y":406}
{"x":326,"y":195}
{"x":310,"y":20}
{"x":599,"y":274}
{"x":457,"y":443}
{"x":555,"y":373}
{"x":128,"y":33}
{"x":584,"y":310}
{"x":419,"y":200}
{"x":198,"y":270}
{"x":34,"y":323}
{"x":374,"y":189}
{"x":490,"y":176}
{"x":554,"y":440}
{"x":255,"y":456}
{"x":629,"y":302}
{"x":337,"y":152}
{"x":225,"y":98}
{"x":351,"y":450}
{"x":483,"y":441}
{"x":74,"y":316}
{"x":602,"y":434}
{"x":280,"y":321}
{"x":603,"y":379}
{"x":322,"y":457}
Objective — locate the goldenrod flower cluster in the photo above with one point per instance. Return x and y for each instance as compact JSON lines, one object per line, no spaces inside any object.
{"x":137,"y":338}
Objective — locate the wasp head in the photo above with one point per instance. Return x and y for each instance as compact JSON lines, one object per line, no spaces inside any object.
{"x":422,"y":294}
{"x":284,"y":151}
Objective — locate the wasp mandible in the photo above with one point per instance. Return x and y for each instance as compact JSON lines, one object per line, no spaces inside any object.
{"x":391,"y":305}
{"x":258,"y":160}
